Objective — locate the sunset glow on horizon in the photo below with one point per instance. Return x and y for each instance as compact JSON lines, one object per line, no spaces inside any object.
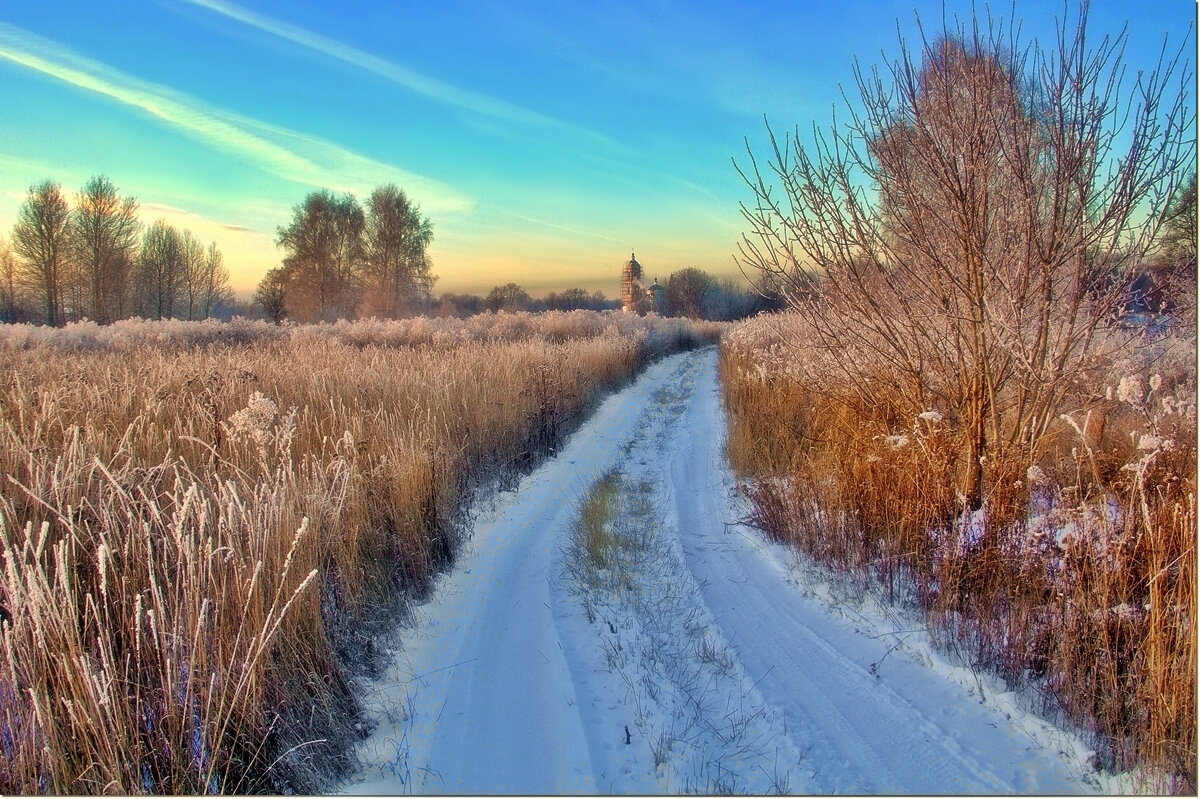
{"x":545,"y":142}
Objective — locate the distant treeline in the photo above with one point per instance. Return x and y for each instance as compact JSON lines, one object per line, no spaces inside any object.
{"x":346,"y":261}
{"x":96,"y":260}
{"x":690,"y":292}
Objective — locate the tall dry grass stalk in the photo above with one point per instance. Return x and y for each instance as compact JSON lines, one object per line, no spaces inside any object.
{"x":204,"y":527}
{"x":1077,"y":575}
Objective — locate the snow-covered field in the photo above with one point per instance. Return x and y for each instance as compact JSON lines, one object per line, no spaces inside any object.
{"x":717,"y":664}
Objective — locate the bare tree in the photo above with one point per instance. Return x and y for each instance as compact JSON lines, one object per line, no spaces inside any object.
{"x":9,"y":295}
{"x":1174,"y":278}
{"x":41,"y":241}
{"x":1179,"y":229}
{"x":958,"y":244}
{"x":687,"y":291}
{"x":105,"y":232}
{"x":398,"y":278}
{"x":191,"y":274}
{"x":576,"y":298}
{"x":509,"y":297}
{"x":271,"y":294}
{"x":215,"y":292}
{"x":461,"y":305}
{"x":160,"y":271}
{"x":325,"y":257}
{"x":729,"y":299}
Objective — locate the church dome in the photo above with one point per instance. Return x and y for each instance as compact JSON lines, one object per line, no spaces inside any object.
{"x":658,"y":294}
{"x":633,"y":270}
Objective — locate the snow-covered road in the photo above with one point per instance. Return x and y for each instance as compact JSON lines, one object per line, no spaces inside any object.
{"x":505,"y":686}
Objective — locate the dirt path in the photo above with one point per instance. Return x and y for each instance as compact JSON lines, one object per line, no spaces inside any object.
{"x":505,"y":685}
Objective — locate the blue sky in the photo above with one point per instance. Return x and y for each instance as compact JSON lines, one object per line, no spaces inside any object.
{"x":544,"y":140}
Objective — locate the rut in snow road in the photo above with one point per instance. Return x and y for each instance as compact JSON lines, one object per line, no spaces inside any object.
{"x":504,"y":685}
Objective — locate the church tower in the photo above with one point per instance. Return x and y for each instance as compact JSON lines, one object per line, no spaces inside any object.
{"x":631,"y":284}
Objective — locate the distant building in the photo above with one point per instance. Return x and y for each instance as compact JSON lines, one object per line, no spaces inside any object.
{"x":631,"y":284}
{"x":634,"y":296}
{"x":658,"y":294}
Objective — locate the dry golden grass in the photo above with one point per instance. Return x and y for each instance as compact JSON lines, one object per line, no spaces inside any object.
{"x":1077,"y":576}
{"x":594,"y":538}
{"x":203,"y":527}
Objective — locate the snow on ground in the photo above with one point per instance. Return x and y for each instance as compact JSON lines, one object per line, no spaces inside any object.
{"x":865,"y":721}
{"x":715,"y":666}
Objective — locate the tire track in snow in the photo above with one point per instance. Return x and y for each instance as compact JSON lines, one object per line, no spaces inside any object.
{"x":693,"y":721}
{"x":493,"y":691}
{"x":480,"y":699}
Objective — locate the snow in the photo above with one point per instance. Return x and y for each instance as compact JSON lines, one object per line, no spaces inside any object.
{"x":867,"y":722}
{"x":721,"y":664}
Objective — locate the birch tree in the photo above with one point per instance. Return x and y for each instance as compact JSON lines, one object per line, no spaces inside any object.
{"x":214,"y":283}
{"x":105,"y":231}
{"x":271,"y":294}
{"x":41,"y":240}
{"x":398,"y":278}
{"x":688,"y":290}
{"x":160,"y":270}
{"x":191,"y":275}
{"x":325,"y":257}
{"x":9,"y":291}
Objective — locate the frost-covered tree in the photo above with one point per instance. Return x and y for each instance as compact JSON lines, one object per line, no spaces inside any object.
{"x":688,"y":290}
{"x":509,"y":297}
{"x":215,"y":290}
{"x":1173,"y":281}
{"x":271,"y":294}
{"x":397,"y":273}
{"x":325,"y":259}
{"x":961,"y":240}
{"x":10,"y":291}
{"x":105,"y":232}
{"x":160,"y":271}
{"x":41,"y":240}
{"x":191,"y":274}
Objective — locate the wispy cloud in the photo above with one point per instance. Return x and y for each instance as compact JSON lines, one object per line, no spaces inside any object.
{"x":203,"y":225}
{"x":186,"y":217}
{"x":405,"y":77}
{"x":574,"y":231}
{"x":13,"y":163}
{"x":288,"y":154}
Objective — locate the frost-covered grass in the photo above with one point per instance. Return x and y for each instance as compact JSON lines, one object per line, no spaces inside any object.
{"x":204,"y":527}
{"x":1075,"y":578}
{"x":420,"y":332}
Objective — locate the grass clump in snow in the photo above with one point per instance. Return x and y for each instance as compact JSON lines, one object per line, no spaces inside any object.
{"x":596,"y":538}
{"x":612,"y":528}
{"x":693,"y":719}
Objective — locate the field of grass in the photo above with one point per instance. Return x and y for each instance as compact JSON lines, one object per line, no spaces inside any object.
{"x":1078,"y":574}
{"x":205,"y":528}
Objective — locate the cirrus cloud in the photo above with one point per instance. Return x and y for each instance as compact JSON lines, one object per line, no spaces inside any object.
{"x":288,"y":154}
